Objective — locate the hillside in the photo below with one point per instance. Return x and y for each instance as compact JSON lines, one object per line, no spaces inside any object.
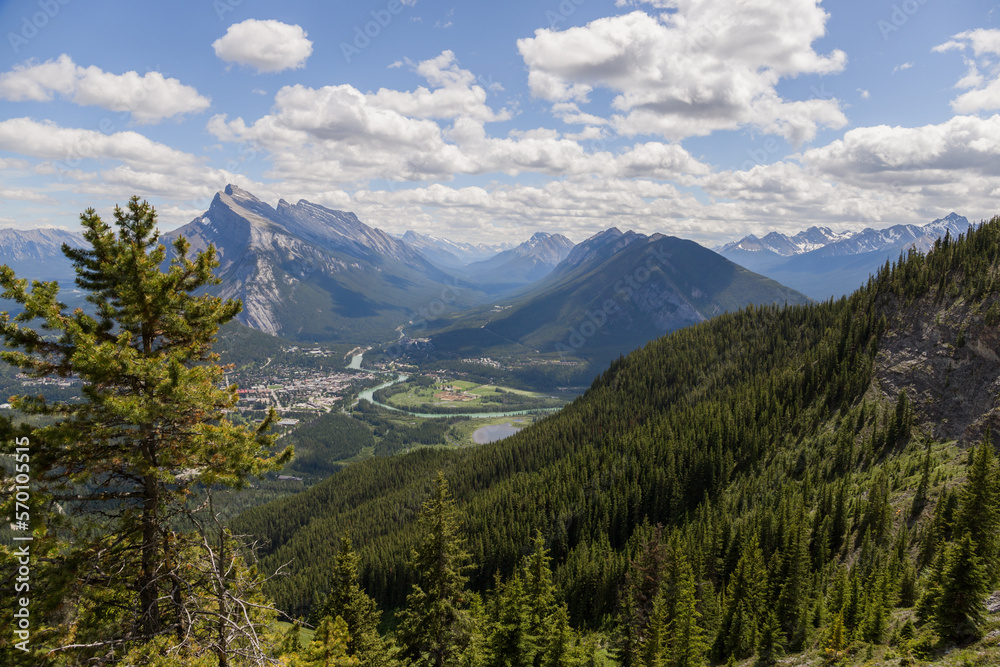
{"x":610,"y":295}
{"x":811,"y":449}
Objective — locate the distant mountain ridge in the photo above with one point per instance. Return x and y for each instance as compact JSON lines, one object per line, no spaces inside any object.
{"x":37,"y":254}
{"x":822,"y":263}
{"x":452,"y":254}
{"x":525,"y":263}
{"x":612,"y":293}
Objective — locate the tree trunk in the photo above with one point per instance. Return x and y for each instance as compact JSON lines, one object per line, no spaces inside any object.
{"x":148,"y":594}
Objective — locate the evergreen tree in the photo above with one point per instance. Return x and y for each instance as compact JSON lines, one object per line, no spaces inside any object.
{"x":347,"y":600}
{"x":628,"y":640}
{"x":772,"y":643}
{"x":509,"y":642}
{"x":436,"y":626}
{"x":876,"y":611}
{"x":836,"y":637}
{"x":745,"y":605}
{"x":559,"y":650}
{"x":688,"y":645}
{"x":328,"y":647}
{"x":150,"y":432}
{"x":539,"y":596}
{"x":958,"y":603}
{"x":978,"y":513}
{"x":793,"y":601}
{"x":642,"y":585}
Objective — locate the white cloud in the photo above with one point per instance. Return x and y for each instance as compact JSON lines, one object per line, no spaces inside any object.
{"x":903,"y":67}
{"x":983,"y":41}
{"x":106,"y":165}
{"x":981,"y":94}
{"x":339,"y":134}
{"x":69,"y":146}
{"x":964,"y":147}
{"x":267,"y":46}
{"x":22,"y":194}
{"x":708,"y":65}
{"x":455,"y":93}
{"x":14,"y":164}
{"x":864,"y":93}
{"x":148,"y":98}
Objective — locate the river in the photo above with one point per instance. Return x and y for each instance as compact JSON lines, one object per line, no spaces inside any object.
{"x":369,"y":395}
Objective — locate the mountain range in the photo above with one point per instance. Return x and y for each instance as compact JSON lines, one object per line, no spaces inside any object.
{"x":612,"y":293}
{"x":452,"y":254}
{"x":308,"y":272}
{"x":523,"y":264}
{"x":36,"y":254}
{"x":822,"y":263}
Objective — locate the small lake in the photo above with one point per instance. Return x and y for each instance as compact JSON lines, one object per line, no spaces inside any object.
{"x":493,"y":433}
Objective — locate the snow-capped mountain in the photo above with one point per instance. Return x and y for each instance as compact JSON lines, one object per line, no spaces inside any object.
{"x":822,"y":263}
{"x":850,"y":242}
{"x":786,"y":246}
{"x":452,"y":254}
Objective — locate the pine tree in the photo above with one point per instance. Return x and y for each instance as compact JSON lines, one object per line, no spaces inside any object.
{"x":436,"y":626}
{"x":745,"y":605}
{"x":150,"y":432}
{"x":629,"y":635}
{"x":539,"y":596}
{"x":347,"y":600}
{"x":509,"y":642}
{"x":688,"y":645}
{"x":772,"y":643}
{"x":328,"y":647}
{"x":793,"y":601}
{"x":876,"y":611}
{"x":958,"y":605}
{"x":642,"y":584}
{"x":978,"y":513}
{"x":836,"y":638}
{"x":559,"y":650}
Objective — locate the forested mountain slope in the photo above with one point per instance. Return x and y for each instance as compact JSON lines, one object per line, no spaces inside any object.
{"x":803,"y":459}
{"x":612,"y":294}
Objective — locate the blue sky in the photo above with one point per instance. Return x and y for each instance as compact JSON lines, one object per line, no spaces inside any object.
{"x":707,"y":119}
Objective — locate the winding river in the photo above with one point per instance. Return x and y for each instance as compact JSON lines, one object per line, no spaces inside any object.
{"x":369,"y":395}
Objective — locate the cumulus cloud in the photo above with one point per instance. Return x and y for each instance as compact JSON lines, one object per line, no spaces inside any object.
{"x":964,"y":148}
{"x":148,"y":98}
{"x":340,"y":134}
{"x":455,"y":93}
{"x":105,"y":165}
{"x":982,"y":93}
{"x":707,"y":65}
{"x":984,"y":41}
{"x":69,"y":146}
{"x":267,"y":46}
